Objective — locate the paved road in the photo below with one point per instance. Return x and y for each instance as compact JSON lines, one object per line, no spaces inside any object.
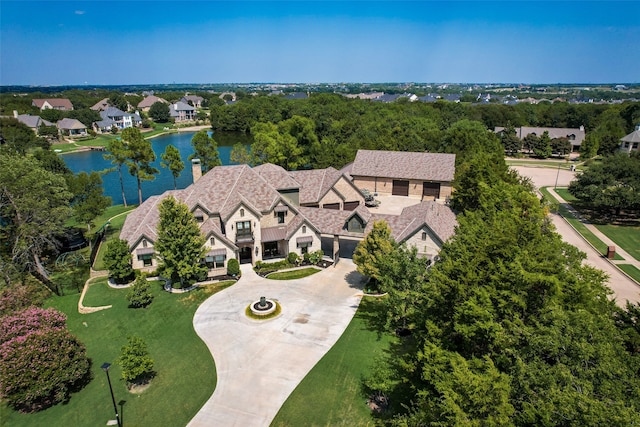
{"x":259,"y":363}
{"x":623,"y":287}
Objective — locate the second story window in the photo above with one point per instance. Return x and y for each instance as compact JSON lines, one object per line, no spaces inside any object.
{"x":212,"y":241}
{"x":304,"y":229}
{"x":144,"y":243}
{"x":241,"y":212}
{"x":243,"y":227}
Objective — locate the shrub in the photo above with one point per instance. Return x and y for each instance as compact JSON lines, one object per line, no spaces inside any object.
{"x":139,"y":294}
{"x":40,"y":361}
{"x":293,"y":258}
{"x":22,"y":295}
{"x":316,"y":256}
{"x":137,"y":365}
{"x":233,"y":267}
{"x":306,"y":257}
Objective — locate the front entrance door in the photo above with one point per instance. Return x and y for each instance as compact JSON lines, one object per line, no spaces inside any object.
{"x":245,"y":255}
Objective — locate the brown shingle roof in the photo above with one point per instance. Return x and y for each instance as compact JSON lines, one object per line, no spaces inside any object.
{"x":315,"y":183}
{"x":404,"y":165}
{"x":150,"y":100}
{"x":277,"y":176}
{"x":62,"y":103}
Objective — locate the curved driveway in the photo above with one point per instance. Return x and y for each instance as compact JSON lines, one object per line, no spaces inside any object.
{"x":623,"y":287}
{"x":259,"y":363}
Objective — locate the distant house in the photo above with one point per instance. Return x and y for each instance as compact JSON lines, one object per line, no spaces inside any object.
{"x":61,"y":104}
{"x":101,"y":105}
{"x":33,"y":122}
{"x":182,"y":112}
{"x":427,"y":176}
{"x":194,"y":100}
{"x":147,"y":102}
{"x":296,"y":95}
{"x":71,"y":127}
{"x":574,"y":135}
{"x":631,"y":142}
{"x":113,"y":116}
{"x":389,"y":97}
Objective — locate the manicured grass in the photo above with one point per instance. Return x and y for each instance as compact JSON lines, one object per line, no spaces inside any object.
{"x":579,"y":226}
{"x":564,"y":193}
{"x":331,"y":394}
{"x":293,"y":274}
{"x":631,"y":270}
{"x":186,"y":375}
{"x":113,"y":230}
{"x":626,"y":237}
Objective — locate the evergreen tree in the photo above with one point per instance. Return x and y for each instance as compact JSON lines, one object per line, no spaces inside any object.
{"x":137,"y":365}
{"x":140,"y":155}
{"x":180,"y":245}
{"x":206,"y":149}
{"x":118,"y":154}
{"x":139,"y":294}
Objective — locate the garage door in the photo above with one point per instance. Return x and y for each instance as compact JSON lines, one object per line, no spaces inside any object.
{"x":431,"y":189}
{"x":400,"y":188}
{"x":335,"y":206}
{"x":349,"y":206}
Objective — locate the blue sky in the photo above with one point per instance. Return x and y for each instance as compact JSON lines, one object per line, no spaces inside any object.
{"x":136,"y":42}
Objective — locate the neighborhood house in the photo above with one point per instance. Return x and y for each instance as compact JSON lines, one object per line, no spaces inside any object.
{"x":62,"y":104}
{"x":254,"y":214}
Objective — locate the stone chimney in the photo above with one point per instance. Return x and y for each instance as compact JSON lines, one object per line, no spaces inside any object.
{"x":196,"y":169}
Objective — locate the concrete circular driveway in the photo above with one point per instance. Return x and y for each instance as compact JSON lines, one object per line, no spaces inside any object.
{"x":259,"y":363}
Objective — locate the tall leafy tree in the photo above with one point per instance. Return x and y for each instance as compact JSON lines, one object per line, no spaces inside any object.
{"x":117,"y":259}
{"x":542,"y":148}
{"x":34,"y":205}
{"x":159,"y":112}
{"x":240,"y":155}
{"x":171,"y":160}
{"x":205,"y":149}
{"x":140,"y":155}
{"x":137,"y":365}
{"x":88,"y":200}
{"x":372,"y":252}
{"x":180,"y":245}
{"x":118,"y":154}
{"x":510,"y":141}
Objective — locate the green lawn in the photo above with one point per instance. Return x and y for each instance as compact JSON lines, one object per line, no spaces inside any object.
{"x":331,"y":394}
{"x":293,"y":274}
{"x":579,"y":226}
{"x":631,"y":270}
{"x":113,"y":230}
{"x":625,"y":237}
{"x":186,"y":375}
{"x":539,"y":163}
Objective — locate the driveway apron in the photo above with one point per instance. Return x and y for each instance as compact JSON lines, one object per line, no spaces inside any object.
{"x":260,"y":362}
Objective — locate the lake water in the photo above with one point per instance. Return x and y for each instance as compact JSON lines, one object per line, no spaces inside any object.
{"x":88,"y":161}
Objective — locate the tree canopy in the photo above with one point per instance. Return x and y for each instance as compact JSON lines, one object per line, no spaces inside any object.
{"x":206,"y":149}
{"x":139,"y":156}
{"x":159,"y":112}
{"x":172,"y":160}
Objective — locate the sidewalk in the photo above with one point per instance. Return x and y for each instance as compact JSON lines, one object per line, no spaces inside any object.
{"x":628,"y":259}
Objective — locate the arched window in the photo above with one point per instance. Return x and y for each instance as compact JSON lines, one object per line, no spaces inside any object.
{"x":304,"y":229}
{"x":241,"y":212}
{"x":144,"y":243}
{"x":212,"y":241}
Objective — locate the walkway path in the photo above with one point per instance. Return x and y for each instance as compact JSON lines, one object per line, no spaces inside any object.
{"x":259,"y":363}
{"x":624,"y":288}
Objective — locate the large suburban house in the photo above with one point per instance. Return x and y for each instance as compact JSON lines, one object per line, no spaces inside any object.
{"x":113,"y":116}
{"x":574,"y":135}
{"x":62,"y":104}
{"x":101,"y":105}
{"x":182,"y":111}
{"x":254,"y":214}
{"x":146,"y":103}
{"x":427,"y":176}
{"x":194,"y":100}
{"x":631,"y":142}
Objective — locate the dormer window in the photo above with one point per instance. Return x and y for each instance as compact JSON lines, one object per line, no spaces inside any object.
{"x":144,"y":243}
{"x":241,"y":212}
{"x":355,"y":225}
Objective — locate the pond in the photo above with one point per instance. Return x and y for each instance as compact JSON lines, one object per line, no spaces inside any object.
{"x":88,"y":161}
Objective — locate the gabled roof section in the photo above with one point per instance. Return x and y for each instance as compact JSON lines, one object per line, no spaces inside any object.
{"x":150,"y":100}
{"x":404,"y":165}
{"x":101,"y":105}
{"x":315,"y":183}
{"x":213,"y":226}
{"x":233,"y":185}
{"x":32,"y":121}
{"x":61,"y":103}
{"x":73,"y":124}
{"x":439,"y":218}
{"x":279,"y":178}
{"x":180,"y":106}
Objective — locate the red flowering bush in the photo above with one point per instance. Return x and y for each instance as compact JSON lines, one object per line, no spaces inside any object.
{"x":41,"y":363}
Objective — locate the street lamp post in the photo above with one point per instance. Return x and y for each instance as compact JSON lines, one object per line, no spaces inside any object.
{"x":105,"y":367}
